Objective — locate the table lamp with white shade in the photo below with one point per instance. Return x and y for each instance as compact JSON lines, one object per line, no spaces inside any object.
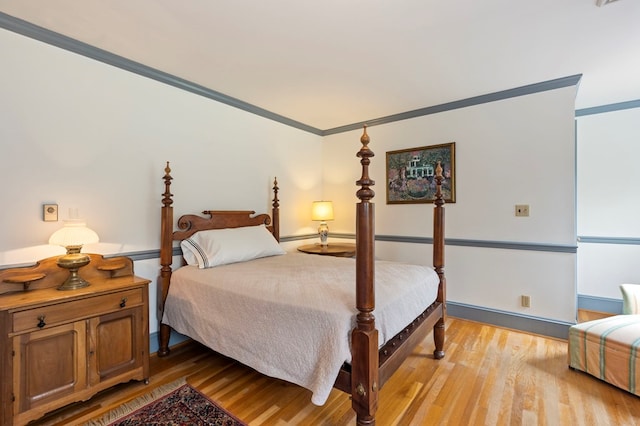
{"x":322,"y":211}
{"x":72,"y":236}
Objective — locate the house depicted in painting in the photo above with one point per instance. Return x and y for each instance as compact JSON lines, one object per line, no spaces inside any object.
{"x":416,"y":169}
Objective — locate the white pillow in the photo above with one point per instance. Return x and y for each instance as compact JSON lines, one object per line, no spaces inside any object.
{"x":215,"y":247}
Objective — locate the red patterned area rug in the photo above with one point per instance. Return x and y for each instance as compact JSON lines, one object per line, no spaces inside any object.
{"x":172,"y":405}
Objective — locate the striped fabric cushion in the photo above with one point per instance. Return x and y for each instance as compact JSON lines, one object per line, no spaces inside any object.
{"x":608,"y":349}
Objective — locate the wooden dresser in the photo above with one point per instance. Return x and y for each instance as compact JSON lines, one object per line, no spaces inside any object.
{"x":58,"y":347}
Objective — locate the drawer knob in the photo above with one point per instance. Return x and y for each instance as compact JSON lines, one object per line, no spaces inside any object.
{"x":123,"y":302}
{"x":41,"y":322}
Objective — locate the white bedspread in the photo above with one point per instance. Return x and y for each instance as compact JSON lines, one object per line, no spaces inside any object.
{"x":291,"y":316}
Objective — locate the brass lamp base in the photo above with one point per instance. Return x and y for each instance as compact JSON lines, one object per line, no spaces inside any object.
{"x":73,"y":262}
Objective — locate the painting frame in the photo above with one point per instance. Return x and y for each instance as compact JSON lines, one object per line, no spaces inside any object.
{"x":410,"y":174}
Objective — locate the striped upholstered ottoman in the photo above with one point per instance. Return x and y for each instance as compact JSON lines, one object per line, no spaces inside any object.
{"x":608,"y":349}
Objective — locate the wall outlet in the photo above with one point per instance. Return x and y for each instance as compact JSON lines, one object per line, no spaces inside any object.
{"x":50,"y":212}
{"x":522,"y":210}
{"x":525,"y":301}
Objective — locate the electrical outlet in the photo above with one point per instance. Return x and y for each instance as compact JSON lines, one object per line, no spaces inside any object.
{"x":50,"y":212}
{"x":522,"y":210}
{"x":525,"y":301}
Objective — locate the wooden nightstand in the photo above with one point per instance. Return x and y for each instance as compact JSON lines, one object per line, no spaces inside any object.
{"x":332,"y":249}
{"x":58,"y":347}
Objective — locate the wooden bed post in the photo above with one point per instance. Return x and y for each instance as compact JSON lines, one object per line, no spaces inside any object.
{"x":166,"y":259}
{"x":438,"y":263}
{"x":364,"y":337}
{"x":275,"y":211}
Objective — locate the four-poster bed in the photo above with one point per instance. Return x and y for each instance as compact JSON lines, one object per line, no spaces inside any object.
{"x":377,"y":339}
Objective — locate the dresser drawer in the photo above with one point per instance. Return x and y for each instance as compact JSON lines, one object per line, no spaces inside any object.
{"x":76,"y":310}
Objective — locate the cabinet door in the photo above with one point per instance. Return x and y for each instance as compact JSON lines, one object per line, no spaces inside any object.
{"x":48,"y":365}
{"x":115,"y":344}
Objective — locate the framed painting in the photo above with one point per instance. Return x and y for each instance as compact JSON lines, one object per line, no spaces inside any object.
{"x":411,"y":174}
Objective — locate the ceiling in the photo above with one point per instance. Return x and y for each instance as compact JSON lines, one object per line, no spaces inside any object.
{"x":336,"y":62}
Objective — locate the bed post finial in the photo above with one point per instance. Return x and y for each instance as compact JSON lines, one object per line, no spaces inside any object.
{"x":275,"y":211}
{"x":365,"y":193}
{"x":276,"y":203}
{"x":439,"y":199}
{"x":364,"y":139}
{"x":364,"y":338}
{"x":166,"y":197}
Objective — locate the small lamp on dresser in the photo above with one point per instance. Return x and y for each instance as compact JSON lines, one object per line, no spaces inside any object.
{"x":322,"y":211}
{"x":73,"y":235}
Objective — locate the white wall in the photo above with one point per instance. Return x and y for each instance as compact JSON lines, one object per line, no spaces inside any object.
{"x":95,"y":138}
{"x":92,"y":137}
{"x":608,"y":200}
{"x":514,"y":151}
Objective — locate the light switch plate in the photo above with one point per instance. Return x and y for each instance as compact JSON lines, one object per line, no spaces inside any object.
{"x":50,"y":212}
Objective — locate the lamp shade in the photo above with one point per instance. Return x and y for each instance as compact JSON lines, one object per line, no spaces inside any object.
{"x":322,"y":210}
{"x":73,"y":233}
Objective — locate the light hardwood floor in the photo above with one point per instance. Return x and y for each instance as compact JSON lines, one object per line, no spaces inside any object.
{"x":489,"y":376}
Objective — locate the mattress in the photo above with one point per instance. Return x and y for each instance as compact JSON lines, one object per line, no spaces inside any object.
{"x":291,"y":316}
